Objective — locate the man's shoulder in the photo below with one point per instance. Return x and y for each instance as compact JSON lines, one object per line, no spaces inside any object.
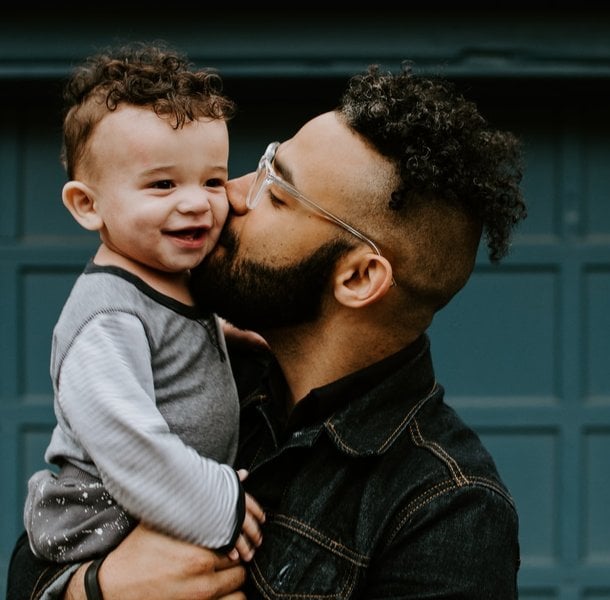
{"x":449,"y":458}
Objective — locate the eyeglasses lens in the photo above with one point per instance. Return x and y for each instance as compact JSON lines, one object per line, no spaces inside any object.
{"x":254,"y":193}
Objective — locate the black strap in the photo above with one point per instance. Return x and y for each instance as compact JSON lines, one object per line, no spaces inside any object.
{"x":92,"y":584}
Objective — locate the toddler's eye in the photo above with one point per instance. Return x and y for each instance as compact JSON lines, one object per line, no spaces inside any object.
{"x":163,"y":184}
{"x":217,"y":182}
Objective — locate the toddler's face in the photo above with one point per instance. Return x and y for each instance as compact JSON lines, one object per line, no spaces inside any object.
{"x":160,"y":191}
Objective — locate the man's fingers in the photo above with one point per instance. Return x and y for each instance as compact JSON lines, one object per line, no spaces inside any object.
{"x":224,"y":583}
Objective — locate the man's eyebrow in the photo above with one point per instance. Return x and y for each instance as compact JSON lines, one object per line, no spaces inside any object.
{"x":283,"y":171}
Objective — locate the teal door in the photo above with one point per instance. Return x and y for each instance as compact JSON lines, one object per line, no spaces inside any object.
{"x":524,"y":351}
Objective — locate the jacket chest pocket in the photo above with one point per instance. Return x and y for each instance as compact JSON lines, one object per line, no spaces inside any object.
{"x":297,"y":561}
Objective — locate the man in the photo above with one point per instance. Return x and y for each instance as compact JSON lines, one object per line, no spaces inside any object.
{"x":339,"y":251}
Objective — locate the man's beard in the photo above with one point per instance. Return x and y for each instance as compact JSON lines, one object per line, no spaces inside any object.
{"x":258,"y":297}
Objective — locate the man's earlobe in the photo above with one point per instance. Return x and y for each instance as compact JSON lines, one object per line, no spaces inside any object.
{"x":363,"y":281}
{"x":78,"y":199}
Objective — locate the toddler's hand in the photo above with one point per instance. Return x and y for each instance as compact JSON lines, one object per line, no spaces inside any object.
{"x":251,"y":536}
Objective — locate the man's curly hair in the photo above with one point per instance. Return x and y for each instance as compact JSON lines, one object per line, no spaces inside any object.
{"x":443,"y":148}
{"x":141,"y":74}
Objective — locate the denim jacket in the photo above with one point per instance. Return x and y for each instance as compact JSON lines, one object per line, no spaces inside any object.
{"x":375,"y":489}
{"x":389,"y":495}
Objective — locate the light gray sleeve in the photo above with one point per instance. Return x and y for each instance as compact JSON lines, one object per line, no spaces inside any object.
{"x":107,"y":397}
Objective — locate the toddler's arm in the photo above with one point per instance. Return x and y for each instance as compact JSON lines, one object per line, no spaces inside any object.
{"x":251,"y":536}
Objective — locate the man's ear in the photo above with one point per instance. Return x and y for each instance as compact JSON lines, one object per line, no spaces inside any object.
{"x":362,"y":279}
{"x":78,"y":199}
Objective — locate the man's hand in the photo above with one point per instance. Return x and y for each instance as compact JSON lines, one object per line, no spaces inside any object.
{"x":244,"y":337}
{"x":148,"y":565}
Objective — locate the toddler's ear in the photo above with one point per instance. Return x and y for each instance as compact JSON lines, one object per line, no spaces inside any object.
{"x":78,"y":199}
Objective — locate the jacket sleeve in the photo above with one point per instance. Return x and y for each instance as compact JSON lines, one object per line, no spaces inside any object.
{"x":461,"y":545}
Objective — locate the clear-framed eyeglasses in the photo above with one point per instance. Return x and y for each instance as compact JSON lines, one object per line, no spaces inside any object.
{"x":266,"y":177}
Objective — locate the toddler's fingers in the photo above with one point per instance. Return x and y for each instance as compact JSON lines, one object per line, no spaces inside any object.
{"x":245,"y":550}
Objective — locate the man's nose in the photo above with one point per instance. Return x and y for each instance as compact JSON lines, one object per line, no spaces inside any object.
{"x":237,"y":192}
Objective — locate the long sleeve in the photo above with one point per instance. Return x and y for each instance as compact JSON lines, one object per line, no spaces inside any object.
{"x":106,"y":403}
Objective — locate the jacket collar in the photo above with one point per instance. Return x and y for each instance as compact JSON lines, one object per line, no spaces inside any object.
{"x":387,"y":408}
{"x":381,"y":398}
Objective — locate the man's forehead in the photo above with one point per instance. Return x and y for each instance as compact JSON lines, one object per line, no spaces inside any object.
{"x":328,"y":161}
{"x":322,"y":132}
{"x":324,"y":142}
